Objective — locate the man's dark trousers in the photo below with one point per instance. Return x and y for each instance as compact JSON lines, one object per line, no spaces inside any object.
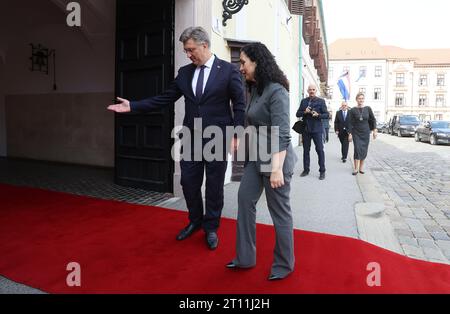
{"x":192,"y":174}
{"x":343,"y":137}
{"x":317,"y":138}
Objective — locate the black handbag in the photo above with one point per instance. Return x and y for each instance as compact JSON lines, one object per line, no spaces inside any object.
{"x":299,"y":126}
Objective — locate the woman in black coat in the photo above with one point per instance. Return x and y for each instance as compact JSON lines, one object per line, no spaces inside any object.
{"x":362,"y":122}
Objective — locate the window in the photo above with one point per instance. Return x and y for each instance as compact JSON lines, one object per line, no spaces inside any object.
{"x":377,"y":94}
{"x":438,"y":116}
{"x":440,"y":101}
{"x":422,"y":117}
{"x":362,"y":90}
{"x":362,"y":72}
{"x":346,"y":69}
{"x":378,"y":71}
{"x":330,"y":92}
{"x":422,"y":100}
{"x":423,"y":80}
{"x":399,"y":99}
{"x":400,"y":80}
{"x":440,"y":80}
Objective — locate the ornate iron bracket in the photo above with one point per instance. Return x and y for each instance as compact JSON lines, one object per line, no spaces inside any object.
{"x":231,"y":7}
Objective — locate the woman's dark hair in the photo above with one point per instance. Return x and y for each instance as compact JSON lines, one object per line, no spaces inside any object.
{"x":267,"y":70}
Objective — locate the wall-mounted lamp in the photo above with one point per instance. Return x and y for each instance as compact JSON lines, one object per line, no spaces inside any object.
{"x":39,"y":60}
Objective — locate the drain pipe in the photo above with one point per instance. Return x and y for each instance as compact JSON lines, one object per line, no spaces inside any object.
{"x":300,"y":56}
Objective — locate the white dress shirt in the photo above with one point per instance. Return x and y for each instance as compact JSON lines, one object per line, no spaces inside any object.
{"x":208,"y":67}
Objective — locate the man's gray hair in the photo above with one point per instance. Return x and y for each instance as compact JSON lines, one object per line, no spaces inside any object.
{"x":197,"y":34}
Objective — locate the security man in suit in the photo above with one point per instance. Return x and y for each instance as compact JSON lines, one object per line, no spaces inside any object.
{"x":208,"y":85}
{"x":313,"y":109}
{"x":341,"y":128}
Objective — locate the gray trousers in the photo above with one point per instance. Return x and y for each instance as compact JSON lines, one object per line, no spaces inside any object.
{"x":278,"y":202}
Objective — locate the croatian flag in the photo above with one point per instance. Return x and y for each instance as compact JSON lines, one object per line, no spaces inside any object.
{"x":344,"y":85}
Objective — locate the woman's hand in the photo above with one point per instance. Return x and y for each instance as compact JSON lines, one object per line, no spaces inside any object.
{"x":375,"y":133}
{"x":350,"y":138}
{"x":277,"y":179}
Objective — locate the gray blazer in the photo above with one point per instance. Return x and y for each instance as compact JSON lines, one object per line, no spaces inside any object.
{"x":271,"y":109}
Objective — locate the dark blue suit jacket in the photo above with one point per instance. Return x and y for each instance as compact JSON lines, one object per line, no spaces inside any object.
{"x":341,"y":125}
{"x":313,"y":125}
{"x":224,"y":85}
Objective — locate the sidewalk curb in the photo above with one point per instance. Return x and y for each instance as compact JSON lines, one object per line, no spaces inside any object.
{"x":374,"y":226}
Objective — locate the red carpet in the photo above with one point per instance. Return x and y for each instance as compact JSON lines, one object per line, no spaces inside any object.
{"x":125,"y":248}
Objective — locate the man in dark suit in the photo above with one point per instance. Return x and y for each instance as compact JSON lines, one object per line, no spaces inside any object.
{"x":208,"y":85}
{"x":341,"y":128}
{"x":313,"y":109}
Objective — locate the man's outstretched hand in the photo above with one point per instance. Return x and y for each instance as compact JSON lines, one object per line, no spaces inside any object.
{"x":122,"y":107}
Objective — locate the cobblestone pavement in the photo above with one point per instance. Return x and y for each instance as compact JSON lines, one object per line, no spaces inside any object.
{"x":73,"y":179}
{"x":415,"y":178}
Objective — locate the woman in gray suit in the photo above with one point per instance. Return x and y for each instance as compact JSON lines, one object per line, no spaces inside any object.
{"x":268,"y":113}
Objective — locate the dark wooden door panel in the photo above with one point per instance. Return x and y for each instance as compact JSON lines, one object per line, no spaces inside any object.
{"x":144,"y":68}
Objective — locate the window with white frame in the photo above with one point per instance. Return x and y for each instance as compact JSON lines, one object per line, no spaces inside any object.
{"x":362,"y":90}
{"x":400,"y":79}
{"x":439,"y":116}
{"x":440,"y":100}
{"x":378,"y":71}
{"x":440,"y":80}
{"x":377,"y":93}
{"x":423,"y":80}
{"x":399,"y":99}
{"x":422,"y":100}
{"x":362,"y":71}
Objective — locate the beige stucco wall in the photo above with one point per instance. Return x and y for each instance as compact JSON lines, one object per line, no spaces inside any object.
{"x":264,"y":21}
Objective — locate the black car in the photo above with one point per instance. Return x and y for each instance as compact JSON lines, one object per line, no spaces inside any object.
{"x":385,"y":128}
{"x":380,"y":126}
{"x":404,"y":125}
{"x":435,"y":132}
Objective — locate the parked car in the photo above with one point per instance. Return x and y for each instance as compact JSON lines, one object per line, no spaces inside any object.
{"x":385,"y":128}
{"x":380,"y":126}
{"x":435,"y":132}
{"x":404,"y":125}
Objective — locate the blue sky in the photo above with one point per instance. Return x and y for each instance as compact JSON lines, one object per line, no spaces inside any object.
{"x":403,"y":23}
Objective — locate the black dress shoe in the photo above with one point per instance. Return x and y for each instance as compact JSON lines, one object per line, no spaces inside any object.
{"x":212,"y":240}
{"x":231,"y":265}
{"x":304,"y":173}
{"x":322,"y":176}
{"x":344,"y":160}
{"x":188,"y":231}
{"x":274,"y":277}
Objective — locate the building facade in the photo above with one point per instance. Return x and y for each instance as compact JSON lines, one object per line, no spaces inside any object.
{"x":394,"y":80}
{"x":130,"y":48}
